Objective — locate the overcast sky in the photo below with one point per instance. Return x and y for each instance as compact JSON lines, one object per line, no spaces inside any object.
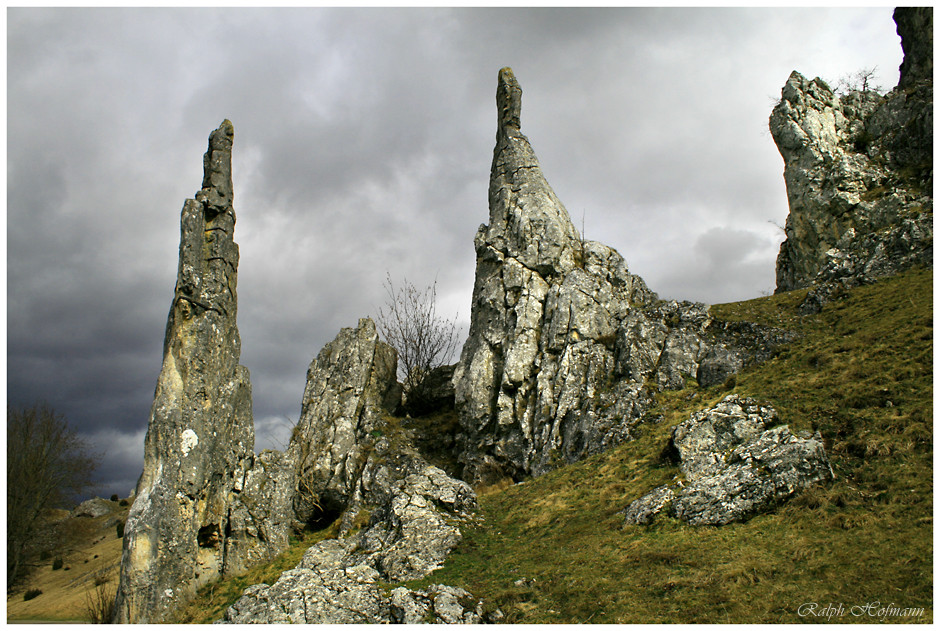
{"x":363,"y":141}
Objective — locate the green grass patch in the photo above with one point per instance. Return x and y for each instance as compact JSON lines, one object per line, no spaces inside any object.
{"x":553,"y":549}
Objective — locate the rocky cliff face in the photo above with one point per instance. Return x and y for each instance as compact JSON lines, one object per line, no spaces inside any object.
{"x":566,"y":346}
{"x":859,"y":171}
{"x":351,"y":391}
{"x":201,"y":429}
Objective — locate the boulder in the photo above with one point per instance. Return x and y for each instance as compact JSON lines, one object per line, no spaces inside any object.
{"x":736,"y":461}
{"x":95,"y":507}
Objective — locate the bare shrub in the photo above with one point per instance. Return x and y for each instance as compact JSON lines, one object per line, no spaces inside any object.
{"x":424,"y":340}
{"x":99,"y":601}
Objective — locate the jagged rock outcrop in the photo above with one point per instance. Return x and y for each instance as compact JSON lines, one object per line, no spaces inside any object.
{"x":201,"y":429}
{"x":566,"y":346}
{"x":95,"y":507}
{"x":915,"y":26}
{"x":341,"y":580}
{"x":350,"y":459}
{"x":859,"y":172}
{"x":736,"y":460}
{"x":332,"y":586}
{"x":351,"y":391}
{"x":261,"y":514}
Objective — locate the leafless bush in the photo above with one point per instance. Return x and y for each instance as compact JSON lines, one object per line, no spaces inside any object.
{"x":862,"y":80}
{"x":424,"y":340}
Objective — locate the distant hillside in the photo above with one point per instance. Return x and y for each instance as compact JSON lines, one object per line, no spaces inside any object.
{"x":552,"y":549}
{"x":90,"y":552}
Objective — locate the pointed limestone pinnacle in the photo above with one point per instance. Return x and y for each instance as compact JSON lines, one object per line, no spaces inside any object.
{"x":508,"y":100}
{"x":527,"y":221}
{"x":217,"y":192}
{"x":200,"y":435}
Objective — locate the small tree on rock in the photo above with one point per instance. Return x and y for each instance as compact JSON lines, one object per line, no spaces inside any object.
{"x":424,"y":341}
{"x":862,"y":80}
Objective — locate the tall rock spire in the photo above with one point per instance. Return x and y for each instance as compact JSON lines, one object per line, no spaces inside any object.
{"x":538,"y":310}
{"x":566,"y":346}
{"x":527,"y":220}
{"x":201,"y":432}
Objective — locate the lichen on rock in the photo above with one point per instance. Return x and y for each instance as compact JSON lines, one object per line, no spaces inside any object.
{"x":566,"y":346}
{"x":736,"y":460}
{"x":201,"y":428}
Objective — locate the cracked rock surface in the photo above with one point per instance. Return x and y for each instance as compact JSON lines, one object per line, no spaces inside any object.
{"x":859,"y":172}
{"x":201,"y":429}
{"x":342,"y":580}
{"x":736,"y":460}
{"x":566,"y":346}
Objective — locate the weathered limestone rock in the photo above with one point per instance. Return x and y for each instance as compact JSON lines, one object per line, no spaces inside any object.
{"x":737,"y":460}
{"x":95,"y":507}
{"x":566,"y":346}
{"x":351,"y":391}
{"x":339,"y":580}
{"x":350,"y":459}
{"x":859,"y":171}
{"x":915,"y":26}
{"x":261,"y":511}
{"x":201,"y":428}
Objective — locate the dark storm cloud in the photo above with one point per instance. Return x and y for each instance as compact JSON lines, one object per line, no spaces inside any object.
{"x":363,"y":140}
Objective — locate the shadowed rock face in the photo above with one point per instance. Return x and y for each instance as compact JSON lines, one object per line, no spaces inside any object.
{"x":859,"y":171}
{"x":565,"y":345}
{"x":915,"y":26}
{"x":201,"y":430}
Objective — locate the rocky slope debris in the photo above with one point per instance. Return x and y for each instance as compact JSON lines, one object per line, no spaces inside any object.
{"x":859,"y":172}
{"x":736,"y":460}
{"x":352,"y":461}
{"x":343,"y":580}
{"x":566,"y":346}
{"x":201,"y":428}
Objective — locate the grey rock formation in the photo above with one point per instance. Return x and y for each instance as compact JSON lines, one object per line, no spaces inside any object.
{"x":736,"y":460}
{"x":350,"y":394}
{"x":95,"y":507}
{"x":859,"y":171}
{"x":260,"y":511}
{"x":341,"y":580}
{"x":350,"y":459}
{"x":201,"y":429}
{"x":915,"y":26}
{"x":566,"y":346}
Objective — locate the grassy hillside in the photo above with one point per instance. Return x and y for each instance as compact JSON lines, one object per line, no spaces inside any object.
{"x":91,"y":556}
{"x":553,"y":549}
